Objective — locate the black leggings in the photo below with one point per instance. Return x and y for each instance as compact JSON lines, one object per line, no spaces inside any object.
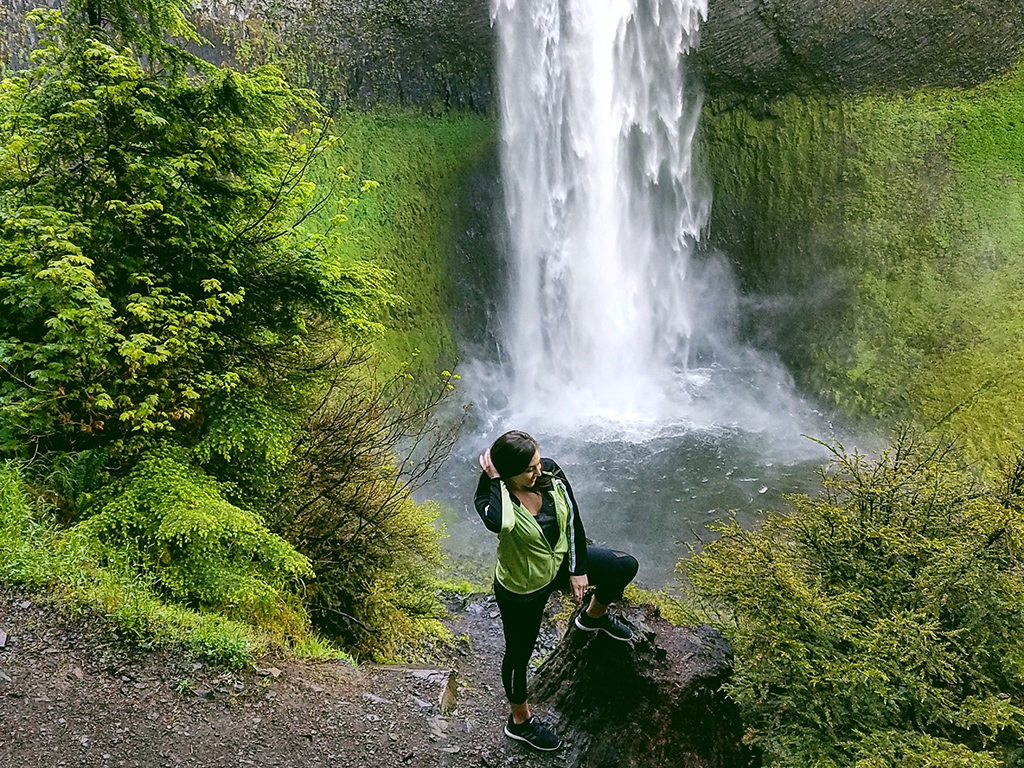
{"x":608,"y":572}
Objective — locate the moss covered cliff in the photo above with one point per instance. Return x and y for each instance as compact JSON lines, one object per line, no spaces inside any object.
{"x":884,"y":236}
{"x":409,"y":223}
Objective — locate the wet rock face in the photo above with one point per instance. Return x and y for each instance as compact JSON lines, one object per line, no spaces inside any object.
{"x":442,"y":51}
{"x":655,"y":702}
{"x":771,"y":47}
{"x":409,"y":52}
{"x":16,"y":37}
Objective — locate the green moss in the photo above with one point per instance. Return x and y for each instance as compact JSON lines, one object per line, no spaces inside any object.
{"x":407,"y":224}
{"x":893,"y":227}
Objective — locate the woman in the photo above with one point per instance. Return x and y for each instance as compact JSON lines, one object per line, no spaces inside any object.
{"x":542,"y":547}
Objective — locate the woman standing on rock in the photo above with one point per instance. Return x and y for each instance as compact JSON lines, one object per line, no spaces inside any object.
{"x":542,"y":547}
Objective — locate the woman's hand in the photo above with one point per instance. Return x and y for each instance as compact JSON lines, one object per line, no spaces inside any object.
{"x":487,"y":466}
{"x":579,"y":585}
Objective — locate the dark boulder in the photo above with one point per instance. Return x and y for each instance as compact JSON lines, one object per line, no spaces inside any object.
{"x":655,"y":702}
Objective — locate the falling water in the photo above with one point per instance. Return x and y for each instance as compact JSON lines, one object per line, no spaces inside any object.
{"x":604,"y":204}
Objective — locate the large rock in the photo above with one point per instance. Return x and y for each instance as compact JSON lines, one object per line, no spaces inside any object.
{"x":653,"y":703}
{"x":410,"y":52}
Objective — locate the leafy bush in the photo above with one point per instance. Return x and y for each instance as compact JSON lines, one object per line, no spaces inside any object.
{"x":36,"y":553}
{"x":879,"y":624}
{"x":168,"y":349}
{"x":347,"y":506}
{"x":168,"y":520}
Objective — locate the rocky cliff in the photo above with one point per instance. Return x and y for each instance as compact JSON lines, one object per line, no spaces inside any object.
{"x":771,"y":47}
{"x":441,"y":52}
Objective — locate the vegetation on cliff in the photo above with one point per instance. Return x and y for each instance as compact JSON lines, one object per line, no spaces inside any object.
{"x":884,"y":236}
{"x":409,"y":222}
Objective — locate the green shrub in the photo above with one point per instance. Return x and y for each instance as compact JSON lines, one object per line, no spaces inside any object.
{"x":346,"y":504}
{"x":170,"y":521}
{"x":37,"y":553}
{"x":881,"y":623}
{"x":150,"y":258}
{"x":171,"y":319}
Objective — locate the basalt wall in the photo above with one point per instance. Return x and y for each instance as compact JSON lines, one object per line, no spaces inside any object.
{"x":441,"y":52}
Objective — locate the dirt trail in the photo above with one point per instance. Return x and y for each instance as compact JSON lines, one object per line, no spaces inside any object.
{"x":72,"y":695}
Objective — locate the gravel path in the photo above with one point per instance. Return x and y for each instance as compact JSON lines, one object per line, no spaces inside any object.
{"x":73,"y":695}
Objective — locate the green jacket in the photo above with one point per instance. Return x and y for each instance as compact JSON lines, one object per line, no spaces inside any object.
{"x":526,"y":562}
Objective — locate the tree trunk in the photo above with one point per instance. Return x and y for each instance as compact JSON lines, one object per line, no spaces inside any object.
{"x":649,"y":703}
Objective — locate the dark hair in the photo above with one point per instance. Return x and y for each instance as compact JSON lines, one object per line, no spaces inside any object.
{"x":512,"y":452}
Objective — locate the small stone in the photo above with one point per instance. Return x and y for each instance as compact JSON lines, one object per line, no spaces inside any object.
{"x":77,"y":672}
{"x":495,"y":614}
{"x":376,"y":699}
{"x":274,"y":672}
{"x":420,"y":703}
{"x":451,"y":750}
{"x":26,"y":605}
{"x":203,"y":694}
{"x":6,"y":678}
{"x":3,"y":639}
{"x":449,"y":695}
{"x":437,"y":727}
{"x":373,"y":718}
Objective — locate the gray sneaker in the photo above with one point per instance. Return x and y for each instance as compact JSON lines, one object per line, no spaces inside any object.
{"x":608,"y":624}
{"x":534,"y":733}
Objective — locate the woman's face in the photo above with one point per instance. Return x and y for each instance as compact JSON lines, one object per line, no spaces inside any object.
{"x":525,"y":479}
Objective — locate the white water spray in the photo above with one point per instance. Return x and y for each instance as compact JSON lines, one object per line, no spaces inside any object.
{"x":604,"y":204}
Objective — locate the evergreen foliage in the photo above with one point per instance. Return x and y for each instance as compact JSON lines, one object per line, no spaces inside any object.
{"x":170,"y":520}
{"x":36,"y":552}
{"x":880,"y":624}
{"x":147,"y":255}
{"x":174,"y":327}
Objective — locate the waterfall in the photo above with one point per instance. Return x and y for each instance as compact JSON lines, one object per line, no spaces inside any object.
{"x":604,"y":204}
